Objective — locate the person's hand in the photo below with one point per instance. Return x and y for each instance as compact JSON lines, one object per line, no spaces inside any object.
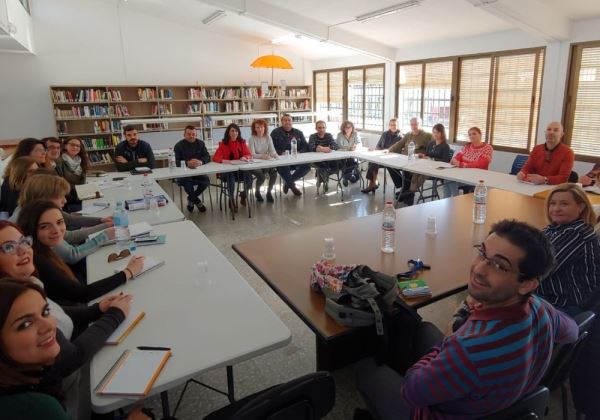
{"x":136,"y":264}
{"x":110,"y":232}
{"x":326,"y":149}
{"x":107,"y":221}
{"x":585,"y":180}
{"x":521,"y":176}
{"x":194,"y":163}
{"x":104,"y":304}
{"x":422,"y":156}
{"x":244,"y":158}
{"x":137,"y":414}
{"x":120,"y":159}
{"x":454,"y":162}
{"x":386,"y":151}
{"x":473,"y":303}
{"x":142,"y":160}
{"x":535,"y":179}
{"x":122,"y":302}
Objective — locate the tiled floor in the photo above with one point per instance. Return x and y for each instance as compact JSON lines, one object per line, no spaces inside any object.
{"x":286,"y":215}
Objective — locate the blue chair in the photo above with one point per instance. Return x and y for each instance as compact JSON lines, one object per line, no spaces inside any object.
{"x":518,"y":164}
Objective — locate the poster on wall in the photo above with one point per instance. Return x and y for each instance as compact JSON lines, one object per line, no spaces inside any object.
{"x":264,"y":88}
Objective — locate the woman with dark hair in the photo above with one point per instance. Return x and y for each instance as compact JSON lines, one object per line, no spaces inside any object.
{"x":73,"y":162}
{"x":261,"y":146}
{"x":438,"y":148}
{"x":15,"y":175}
{"x":31,"y":147}
{"x":233,"y":147}
{"x":348,"y":139}
{"x":44,"y":222}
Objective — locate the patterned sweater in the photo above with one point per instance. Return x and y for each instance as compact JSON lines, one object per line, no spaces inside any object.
{"x":494,"y":358}
{"x":475,"y":157}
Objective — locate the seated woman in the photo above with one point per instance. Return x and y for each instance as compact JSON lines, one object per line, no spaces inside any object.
{"x":14,"y":177}
{"x":72,"y":165}
{"x":591,"y":178}
{"x":44,"y":222}
{"x":34,"y":148}
{"x":437,"y":149}
{"x":261,"y":146}
{"x":348,"y":140}
{"x":475,"y":154}
{"x":323,"y":142}
{"x":35,"y":355}
{"x":573,"y":285}
{"x":234,"y":147}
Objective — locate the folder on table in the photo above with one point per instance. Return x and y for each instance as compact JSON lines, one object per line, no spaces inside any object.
{"x":134,"y":373}
{"x":88,"y":191}
{"x":126,"y":327}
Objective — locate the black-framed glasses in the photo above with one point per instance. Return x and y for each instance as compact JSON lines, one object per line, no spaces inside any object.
{"x":492,"y":262}
{"x":10,"y":247}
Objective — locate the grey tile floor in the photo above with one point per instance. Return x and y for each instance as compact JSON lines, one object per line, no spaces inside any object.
{"x":286,"y":215}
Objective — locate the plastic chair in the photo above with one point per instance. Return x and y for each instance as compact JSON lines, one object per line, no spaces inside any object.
{"x":531,"y":406}
{"x":518,"y":164}
{"x":309,"y":397}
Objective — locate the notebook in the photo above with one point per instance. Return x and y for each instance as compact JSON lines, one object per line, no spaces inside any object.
{"x":88,"y":191}
{"x":126,"y":327}
{"x":150,"y":240}
{"x":134,"y":373}
{"x":141,"y":228}
{"x":141,"y":170}
{"x":149,"y":265}
{"x":414,"y":288}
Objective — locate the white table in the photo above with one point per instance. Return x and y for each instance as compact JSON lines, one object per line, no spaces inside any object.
{"x":209,"y":319}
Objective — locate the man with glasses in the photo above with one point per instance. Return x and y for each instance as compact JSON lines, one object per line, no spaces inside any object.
{"x":495,"y":353}
{"x":549,"y":163}
{"x":53,"y":149}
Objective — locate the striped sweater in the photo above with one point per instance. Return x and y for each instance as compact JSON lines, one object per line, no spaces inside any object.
{"x":576,"y":274}
{"x":493,"y":359}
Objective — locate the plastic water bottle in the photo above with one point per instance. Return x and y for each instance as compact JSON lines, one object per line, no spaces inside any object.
{"x":121,"y":222}
{"x":411,"y":151}
{"x":388,"y":228}
{"x":147,"y":190}
{"x":480,"y":203}
{"x":172,"y":161}
{"x":294,"y":148}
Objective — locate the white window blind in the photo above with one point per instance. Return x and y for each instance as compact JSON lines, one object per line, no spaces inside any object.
{"x":374,"y":98}
{"x":473,"y":95}
{"x":410,"y":83}
{"x":437,"y":94}
{"x":336,"y":96}
{"x":355,"y":97}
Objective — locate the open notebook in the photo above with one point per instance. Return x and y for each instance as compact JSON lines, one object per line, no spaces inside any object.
{"x":126,"y":327}
{"x":149,"y":265}
{"x":134,"y":373}
{"x":88,"y":191}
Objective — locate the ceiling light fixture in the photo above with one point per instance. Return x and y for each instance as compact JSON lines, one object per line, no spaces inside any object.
{"x":219,"y":14}
{"x":388,"y":11}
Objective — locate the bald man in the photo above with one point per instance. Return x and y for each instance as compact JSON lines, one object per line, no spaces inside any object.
{"x":549,"y":163}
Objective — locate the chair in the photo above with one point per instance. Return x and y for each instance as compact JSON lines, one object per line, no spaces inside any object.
{"x":573,"y":177}
{"x":531,"y":406}
{"x":518,"y":163}
{"x":435,"y":184}
{"x":309,"y":397}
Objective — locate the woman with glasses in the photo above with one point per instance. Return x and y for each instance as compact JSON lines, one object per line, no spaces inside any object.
{"x":73,"y":162}
{"x":15,"y":175}
{"x":348,"y":139}
{"x":33,"y":148}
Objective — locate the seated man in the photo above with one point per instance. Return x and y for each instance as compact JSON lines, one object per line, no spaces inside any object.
{"x":549,"y":163}
{"x":500,"y":349}
{"x":323,"y":142}
{"x":282,"y":140}
{"x":591,"y":178}
{"x":387,"y":139}
{"x":421,"y":140}
{"x":193,"y":152}
{"x":133,"y":153}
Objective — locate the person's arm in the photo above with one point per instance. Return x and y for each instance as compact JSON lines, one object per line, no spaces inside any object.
{"x":302,"y":144}
{"x":442,"y":153}
{"x":218,"y":157}
{"x":75,"y":221}
{"x":565,"y":328}
{"x":178,"y":150}
{"x":82,"y":316}
{"x":73,"y":254}
{"x":566,"y":166}
{"x":204,"y":155}
{"x":567,"y":247}
{"x":312,"y":143}
{"x":529,"y":166}
{"x":380,"y":142}
{"x":278,"y":141}
{"x":122,"y":167}
{"x":332,"y":144}
{"x":150,"y":156}
{"x":245,"y":151}
{"x":399,"y":145}
{"x":483,"y":162}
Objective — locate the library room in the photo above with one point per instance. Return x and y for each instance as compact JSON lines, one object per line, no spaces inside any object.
{"x":275,"y":209}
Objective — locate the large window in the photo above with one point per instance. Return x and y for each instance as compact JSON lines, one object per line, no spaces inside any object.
{"x":497,"y":92}
{"x":355,"y":94}
{"x":582,"y":110}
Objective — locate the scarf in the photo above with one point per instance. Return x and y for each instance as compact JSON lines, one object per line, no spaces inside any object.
{"x":73,"y":163}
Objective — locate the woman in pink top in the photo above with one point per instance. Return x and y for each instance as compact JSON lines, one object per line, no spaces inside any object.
{"x":475,"y":154}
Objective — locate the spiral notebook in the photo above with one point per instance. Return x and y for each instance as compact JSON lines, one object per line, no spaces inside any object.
{"x":134,"y":373}
{"x":126,"y":327}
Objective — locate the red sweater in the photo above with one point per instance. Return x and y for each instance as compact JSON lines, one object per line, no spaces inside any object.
{"x":475,"y":157}
{"x":557,"y":170}
{"x":232,"y":151}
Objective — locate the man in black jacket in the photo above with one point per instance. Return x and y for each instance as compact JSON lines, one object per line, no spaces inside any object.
{"x":387,"y":140}
{"x":133,"y":152}
{"x":193,"y":152}
{"x":282,"y":140}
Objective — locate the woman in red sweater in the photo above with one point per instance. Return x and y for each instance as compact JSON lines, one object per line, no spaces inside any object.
{"x":475,"y":154}
{"x":232,"y":148}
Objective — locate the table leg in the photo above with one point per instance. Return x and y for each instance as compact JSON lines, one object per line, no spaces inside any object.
{"x":164,"y":400}
{"x":230,"y":389}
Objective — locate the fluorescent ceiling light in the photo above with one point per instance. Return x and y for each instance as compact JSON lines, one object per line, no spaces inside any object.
{"x":388,"y":10}
{"x":284,"y":39}
{"x":219,"y":14}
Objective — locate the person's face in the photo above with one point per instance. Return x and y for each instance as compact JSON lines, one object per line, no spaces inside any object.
{"x":496,"y":282}
{"x":474,"y":136}
{"x":554,"y":133}
{"x":348,"y":130}
{"x":29,"y":332}
{"x":563,"y":208}
{"x":233,"y":134}
{"x":38,"y":153}
{"x":59,"y":201}
{"x":321,"y":127}
{"x":393,"y":126}
{"x":189,"y":135}
{"x":73,"y":147}
{"x":437,"y":135}
{"x":131,"y":137}
{"x":51,"y":228}
{"x":286,"y":123}
{"x":414,"y":125}
{"x":260,"y":130}
{"x":16,"y":256}
{"x":53,"y":150}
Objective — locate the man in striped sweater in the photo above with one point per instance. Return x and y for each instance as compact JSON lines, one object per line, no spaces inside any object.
{"x":497,"y":355}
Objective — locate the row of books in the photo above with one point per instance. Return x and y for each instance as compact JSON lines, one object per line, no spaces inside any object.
{"x":82,"y":112}
{"x":295,"y":105}
{"x":81,"y":95}
{"x":294,"y":92}
{"x":255,"y":93}
{"x":114,"y":95}
{"x":162,"y":109}
{"x":101,"y":142}
{"x":100,"y":158}
{"x":119,"y":111}
{"x":102,"y":126}
{"x":146,"y":94}
{"x":165,"y":93}
{"x":222,"y":93}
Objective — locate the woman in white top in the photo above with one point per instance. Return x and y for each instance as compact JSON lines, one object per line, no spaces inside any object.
{"x":348,"y":139}
{"x":261,"y":147}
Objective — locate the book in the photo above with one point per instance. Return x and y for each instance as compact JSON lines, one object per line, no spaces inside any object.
{"x":138,"y":229}
{"x":145,"y":240}
{"x":140,"y":203}
{"x":414,"y":288}
{"x":149,"y":265}
{"x":134,"y":373}
{"x":88,"y":191}
{"x":126,"y":327}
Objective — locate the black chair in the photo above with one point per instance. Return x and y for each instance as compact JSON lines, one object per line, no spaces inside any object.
{"x":531,"y":407}
{"x":573,"y":177}
{"x":518,"y":163}
{"x":309,"y":397}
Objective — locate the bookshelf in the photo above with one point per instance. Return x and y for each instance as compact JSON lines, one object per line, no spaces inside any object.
{"x":94,"y":112}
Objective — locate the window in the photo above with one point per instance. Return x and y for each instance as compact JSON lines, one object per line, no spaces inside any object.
{"x":355,"y":94}
{"x":582,"y":110}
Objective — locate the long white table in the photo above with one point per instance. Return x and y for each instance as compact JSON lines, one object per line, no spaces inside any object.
{"x":210,"y":317}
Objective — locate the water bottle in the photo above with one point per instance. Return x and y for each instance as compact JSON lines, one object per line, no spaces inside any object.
{"x":294,"y":148}
{"x":480,"y":203}
{"x":147,"y":190}
{"x":388,"y":228}
{"x":172,"y":161}
{"x":411,"y":151}
{"x":121,"y":222}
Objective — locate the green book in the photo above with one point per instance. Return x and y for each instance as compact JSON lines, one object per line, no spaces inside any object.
{"x":414,"y":288}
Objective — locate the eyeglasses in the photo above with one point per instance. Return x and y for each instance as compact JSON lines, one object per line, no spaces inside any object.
{"x":76,"y":145}
{"x":116,"y":257}
{"x":10,"y":247}
{"x":493,"y":263}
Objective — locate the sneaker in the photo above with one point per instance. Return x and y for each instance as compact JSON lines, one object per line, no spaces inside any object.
{"x":270,"y":197}
{"x":345,"y":182}
{"x":201,"y":207}
{"x":296,"y":191}
{"x":258,"y":197}
{"x":190,"y":206}
{"x":285,"y":188}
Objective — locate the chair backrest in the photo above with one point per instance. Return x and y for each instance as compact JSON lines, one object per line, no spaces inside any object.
{"x":531,"y":406}
{"x":573,"y":177}
{"x":309,"y":397}
{"x":518,"y":164}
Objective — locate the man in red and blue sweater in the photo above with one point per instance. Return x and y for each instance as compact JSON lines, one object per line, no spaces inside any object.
{"x":498,"y":354}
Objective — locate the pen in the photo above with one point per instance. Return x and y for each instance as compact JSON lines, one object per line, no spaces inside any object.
{"x":153,"y":348}
{"x":101,"y":204}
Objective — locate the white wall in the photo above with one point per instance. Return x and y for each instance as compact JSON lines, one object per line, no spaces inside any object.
{"x":78,"y":42}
